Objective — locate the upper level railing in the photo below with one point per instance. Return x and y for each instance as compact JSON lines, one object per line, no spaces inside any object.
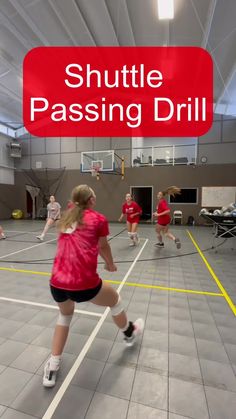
{"x":164,"y":155}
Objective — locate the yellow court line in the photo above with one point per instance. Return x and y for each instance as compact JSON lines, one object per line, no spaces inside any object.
{"x":25,"y":271}
{"x":129,"y":284}
{"x":214,"y":276}
{"x":159,"y":287}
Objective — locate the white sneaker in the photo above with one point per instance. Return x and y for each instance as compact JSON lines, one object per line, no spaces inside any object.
{"x":40,"y":237}
{"x":50,"y":373}
{"x":132,"y":243}
{"x":3,"y":236}
{"x":138,"y":330}
{"x":137,"y":241}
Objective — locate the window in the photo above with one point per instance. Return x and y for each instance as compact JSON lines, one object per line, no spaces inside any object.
{"x":188,"y":196}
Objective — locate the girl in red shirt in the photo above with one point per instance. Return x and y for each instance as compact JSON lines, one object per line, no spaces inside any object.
{"x":163,"y":216}
{"x":133,"y":211}
{"x":83,"y":236}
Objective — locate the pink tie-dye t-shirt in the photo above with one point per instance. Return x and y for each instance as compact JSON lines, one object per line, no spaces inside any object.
{"x":75,"y":264}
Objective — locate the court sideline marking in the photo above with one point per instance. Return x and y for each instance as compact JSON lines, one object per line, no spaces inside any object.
{"x":214,"y":276}
{"x":129,"y":284}
{"x":27,"y":248}
{"x":60,"y":393}
{"x":34,"y":303}
{"x":160,"y":287}
{"x":28,"y":232}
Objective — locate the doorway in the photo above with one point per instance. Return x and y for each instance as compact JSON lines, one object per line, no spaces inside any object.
{"x":31,"y":194}
{"x":143,"y":196}
{"x":29,"y":205}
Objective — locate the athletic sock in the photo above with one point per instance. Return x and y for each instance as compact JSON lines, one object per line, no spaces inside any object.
{"x":54,"y":362}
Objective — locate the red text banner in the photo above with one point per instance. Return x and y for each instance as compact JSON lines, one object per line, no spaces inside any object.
{"x":118,"y":91}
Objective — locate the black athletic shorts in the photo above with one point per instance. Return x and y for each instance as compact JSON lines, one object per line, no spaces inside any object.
{"x":61,"y":295}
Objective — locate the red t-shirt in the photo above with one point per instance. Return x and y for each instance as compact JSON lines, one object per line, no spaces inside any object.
{"x":161,"y":207}
{"x":133,"y":208}
{"x":75,"y":264}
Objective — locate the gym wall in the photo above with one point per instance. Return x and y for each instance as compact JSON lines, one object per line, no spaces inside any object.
{"x":110,"y":189}
{"x":218,"y":146}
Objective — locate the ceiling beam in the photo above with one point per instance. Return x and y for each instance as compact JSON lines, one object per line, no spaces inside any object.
{"x":113,"y":26}
{"x":84,"y":21}
{"x":59,"y":14}
{"x":29,"y":21}
{"x":3,"y":58}
{"x":9,"y":93}
{"x":5,"y":73}
{"x":130,"y":25}
{"x":11,"y":27}
{"x":210,"y":16}
{"x":226,"y":86}
{"x":206,"y":33}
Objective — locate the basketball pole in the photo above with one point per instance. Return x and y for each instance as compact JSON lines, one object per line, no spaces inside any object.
{"x":122,"y":167}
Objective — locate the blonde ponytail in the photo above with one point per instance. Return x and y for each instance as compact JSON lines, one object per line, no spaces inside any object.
{"x":172,"y":190}
{"x":80,"y":197}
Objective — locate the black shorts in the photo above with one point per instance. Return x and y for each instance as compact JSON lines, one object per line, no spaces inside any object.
{"x":60,"y":295}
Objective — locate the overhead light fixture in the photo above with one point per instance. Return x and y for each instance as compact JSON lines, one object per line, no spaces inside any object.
{"x":165,"y":9}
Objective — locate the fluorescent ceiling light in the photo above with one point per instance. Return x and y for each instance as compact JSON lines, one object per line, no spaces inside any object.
{"x":165,"y":9}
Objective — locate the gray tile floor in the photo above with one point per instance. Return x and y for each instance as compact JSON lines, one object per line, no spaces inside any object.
{"x":184,"y":365}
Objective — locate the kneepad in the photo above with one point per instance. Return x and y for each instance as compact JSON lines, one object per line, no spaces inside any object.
{"x":64,"y":320}
{"x":117,"y":308}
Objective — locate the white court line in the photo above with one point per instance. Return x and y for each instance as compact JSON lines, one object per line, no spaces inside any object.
{"x":36,"y":232}
{"x":53,"y":234}
{"x":58,"y":396}
{"x":27,"y":248}
{"x":27,"y":232}
{"x":33,"y":303}
{"x":128,"y":238}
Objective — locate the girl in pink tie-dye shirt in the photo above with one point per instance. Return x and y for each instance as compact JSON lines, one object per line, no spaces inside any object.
{"x":83,"y":236}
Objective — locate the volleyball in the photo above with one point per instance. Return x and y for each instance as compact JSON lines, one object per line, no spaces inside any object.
{"x":17,"y":214}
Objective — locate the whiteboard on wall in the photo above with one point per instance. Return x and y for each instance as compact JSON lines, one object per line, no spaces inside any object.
{"x":218,"y":196}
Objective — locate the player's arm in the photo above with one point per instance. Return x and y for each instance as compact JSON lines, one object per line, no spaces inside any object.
{"x":122,"y":214}
{"x":105,"y":252}
{"x":121,"y":217}
{"x":163,"y":212}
